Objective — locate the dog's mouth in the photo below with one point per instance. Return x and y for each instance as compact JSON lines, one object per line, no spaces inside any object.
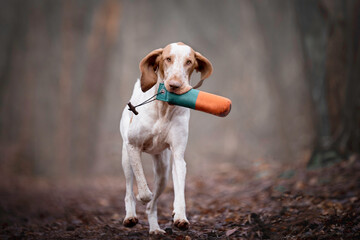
{"x":177,"y":90}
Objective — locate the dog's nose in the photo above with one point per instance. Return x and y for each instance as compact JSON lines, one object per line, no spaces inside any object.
{"x":174,"y":84}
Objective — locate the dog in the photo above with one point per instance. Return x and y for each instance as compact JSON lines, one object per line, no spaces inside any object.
{"x":161,"y":130}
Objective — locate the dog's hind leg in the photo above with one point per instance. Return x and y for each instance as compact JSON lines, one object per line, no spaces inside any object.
{"x":130,"y":201}
{"x":161,"y":173}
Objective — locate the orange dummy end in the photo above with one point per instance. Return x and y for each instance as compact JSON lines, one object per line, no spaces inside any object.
{"x":214,"y":104}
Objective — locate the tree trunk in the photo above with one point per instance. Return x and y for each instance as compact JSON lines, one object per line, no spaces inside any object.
{"x":330,"y":40}
{"x":53,"y":81}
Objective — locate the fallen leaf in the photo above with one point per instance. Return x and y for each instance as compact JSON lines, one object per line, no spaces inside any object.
{"x":229,"y":232}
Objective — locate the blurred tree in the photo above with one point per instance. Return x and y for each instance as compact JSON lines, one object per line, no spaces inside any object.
{"x":53,"y":75}
{"x":330,"y":38}
{"x":67,"y":69}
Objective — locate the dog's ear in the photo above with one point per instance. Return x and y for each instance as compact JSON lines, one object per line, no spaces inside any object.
{"x":148,"y":67}
{"x":204,"y":66}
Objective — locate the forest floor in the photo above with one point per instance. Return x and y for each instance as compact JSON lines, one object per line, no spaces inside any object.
{"x":230,"y":203}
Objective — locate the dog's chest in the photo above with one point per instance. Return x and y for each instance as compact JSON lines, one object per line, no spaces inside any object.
{"x":151,"y":137}
{"x":156,"y":140}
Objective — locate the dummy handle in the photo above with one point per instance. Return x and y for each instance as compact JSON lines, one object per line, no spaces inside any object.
{"x":132,"y":108}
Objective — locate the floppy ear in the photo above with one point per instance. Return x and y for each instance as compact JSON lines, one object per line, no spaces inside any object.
{"x":204,"y":66}
{"x":148,"y":67}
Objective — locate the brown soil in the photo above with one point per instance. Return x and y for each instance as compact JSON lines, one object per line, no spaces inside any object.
{"x":230,"y":203}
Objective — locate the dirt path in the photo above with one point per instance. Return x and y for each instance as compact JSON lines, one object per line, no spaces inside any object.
{"x":231,"y":204}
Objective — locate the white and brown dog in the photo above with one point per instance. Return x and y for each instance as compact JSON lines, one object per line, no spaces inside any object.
{"x":161,"y":130}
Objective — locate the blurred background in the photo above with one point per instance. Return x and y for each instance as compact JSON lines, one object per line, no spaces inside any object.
{"x":67,"y":70}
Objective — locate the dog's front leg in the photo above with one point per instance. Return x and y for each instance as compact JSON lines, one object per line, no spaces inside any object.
{"x":179,"y":174}
{"x":130,"y":204}
{"x":144,"y":193}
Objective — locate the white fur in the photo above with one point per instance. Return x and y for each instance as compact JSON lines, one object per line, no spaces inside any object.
{"x":162,"y":131}
{"x":180,"y":53}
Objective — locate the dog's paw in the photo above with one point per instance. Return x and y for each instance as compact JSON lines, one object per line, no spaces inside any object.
{"x":182,"y":224}
{"x":144,"y":197}
{"x":157,"y":232}
{"x":130,"y":222}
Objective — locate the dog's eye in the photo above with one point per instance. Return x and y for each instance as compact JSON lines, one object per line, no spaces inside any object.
{"x":188,"y":62}
{"x":168,"y":59}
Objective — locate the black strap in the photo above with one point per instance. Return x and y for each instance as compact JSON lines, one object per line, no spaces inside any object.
{"x":151,"y":99}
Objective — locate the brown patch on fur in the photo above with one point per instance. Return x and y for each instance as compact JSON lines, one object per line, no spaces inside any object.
{"x":148,"y":67}
{"x":194,"y":63}
{"x":165,"y":54}
{"x":147,"y":144}
{"x":203,"y":65}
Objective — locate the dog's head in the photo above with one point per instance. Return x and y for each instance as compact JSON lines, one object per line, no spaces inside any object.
{"x":174,"y":64}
